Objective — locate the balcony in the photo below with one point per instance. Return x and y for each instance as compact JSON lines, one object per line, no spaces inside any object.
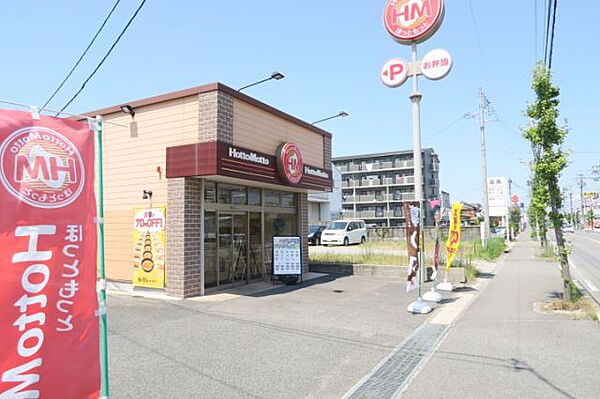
{"x":370,"y":182}
{"x":404,"y":180}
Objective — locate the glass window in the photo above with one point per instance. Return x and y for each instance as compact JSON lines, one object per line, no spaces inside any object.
{"x":272,"y":198}
{"x":287,"y":200}
{"x":230,"y":194}
{"x":210,"y":250}
{"x":210,"y":192}
{"x":253,"y":196}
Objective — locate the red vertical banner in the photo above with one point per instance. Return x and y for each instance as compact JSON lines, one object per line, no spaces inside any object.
{"x":412,"y":216}
{"x":48,"y":247}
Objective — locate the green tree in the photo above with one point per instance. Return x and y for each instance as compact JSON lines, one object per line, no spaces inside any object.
{"x":514,"y":219}
{"x":546,"y":138}
{"x":590,"y":218}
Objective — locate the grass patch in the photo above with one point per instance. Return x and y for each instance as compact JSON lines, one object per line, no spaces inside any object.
{"x":577,"y":304}
{"x":366,"y":257}
{"x":581,"y":306}
{"x":494,"y":248}
{"x":471,"y":272}
{"x":547,"y":253}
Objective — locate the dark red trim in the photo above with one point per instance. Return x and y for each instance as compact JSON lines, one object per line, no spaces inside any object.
{"x":212,"y":159}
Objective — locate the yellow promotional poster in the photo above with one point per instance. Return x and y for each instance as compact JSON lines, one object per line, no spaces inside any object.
{"x":453,"y":235}
{"x":149,"y":250}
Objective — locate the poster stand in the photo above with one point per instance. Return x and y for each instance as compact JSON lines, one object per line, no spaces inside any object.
{"x":286,"y":259}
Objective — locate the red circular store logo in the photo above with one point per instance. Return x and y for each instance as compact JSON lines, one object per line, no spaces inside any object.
{"x":41,"y":167}
{"x":290,"y":162}
{"x":413,"y":21}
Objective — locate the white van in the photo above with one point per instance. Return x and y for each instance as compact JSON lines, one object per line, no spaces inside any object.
{"x":344,"y":232}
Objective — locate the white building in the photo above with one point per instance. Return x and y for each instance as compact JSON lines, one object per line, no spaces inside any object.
{"x":325,"y":207}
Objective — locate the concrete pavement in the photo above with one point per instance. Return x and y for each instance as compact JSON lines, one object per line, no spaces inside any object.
{"x":314,"y":341}
{"x":501,"y":348}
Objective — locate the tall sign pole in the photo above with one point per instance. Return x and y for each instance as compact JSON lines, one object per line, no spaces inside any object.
{"x":486,"y":204}
{"x":411,"y":22}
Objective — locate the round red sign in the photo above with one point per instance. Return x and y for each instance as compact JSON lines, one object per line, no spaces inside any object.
{"x":289,"y":162}
{"x":413,"y":21}
{"x":41,"y":167}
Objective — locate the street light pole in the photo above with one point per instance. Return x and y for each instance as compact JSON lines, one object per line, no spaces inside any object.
{"x":486,"y":205}
{"x":341,"y":114}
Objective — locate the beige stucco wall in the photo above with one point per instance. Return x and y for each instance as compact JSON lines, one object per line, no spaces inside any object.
{"x":130,"y":165}
{"x":262,"y":131}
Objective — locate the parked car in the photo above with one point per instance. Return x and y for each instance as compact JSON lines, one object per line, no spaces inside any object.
{"x":344,"y":232}
{"x":567,"y":228}
{"x":499,"y":232}
{"x":314,"y":234}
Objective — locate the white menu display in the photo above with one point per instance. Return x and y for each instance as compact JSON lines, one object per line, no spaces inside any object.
{"x":287,"y":255}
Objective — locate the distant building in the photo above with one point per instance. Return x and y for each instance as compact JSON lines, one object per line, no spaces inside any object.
{"x":469,"y":213}
{"x":325,"y":207}
{"x":374,"y":186}
{"x":447,"y":205}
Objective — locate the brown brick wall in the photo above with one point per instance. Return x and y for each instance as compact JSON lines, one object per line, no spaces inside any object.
{"x":183,"y":237}
{"x":303,"y":228}
{"x":215,"y":117}
{"x":326,"y":152}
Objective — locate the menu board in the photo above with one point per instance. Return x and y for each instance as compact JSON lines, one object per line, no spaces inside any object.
{"x":287,"y":255}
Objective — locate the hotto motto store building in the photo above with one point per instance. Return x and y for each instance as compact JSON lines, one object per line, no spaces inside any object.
{"x":232,"y":171}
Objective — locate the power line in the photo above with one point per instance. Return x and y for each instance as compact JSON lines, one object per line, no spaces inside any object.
{"x":105,"y":56}
{"x":547,"y":34}
{"x":478,"y":40}
{"x":82,"y":55}
{"x":552,"y":38}
{"x":442,"y":130}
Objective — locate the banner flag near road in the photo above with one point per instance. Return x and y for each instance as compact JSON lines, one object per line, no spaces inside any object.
{"x":453,"y":235}
{"x":438,"y":212}
{"x":48,"y":258}
{"x":412,"y":214}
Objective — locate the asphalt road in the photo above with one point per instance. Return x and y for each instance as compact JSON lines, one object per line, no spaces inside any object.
{"x":585,"y":260}
{"x":310,"y":341}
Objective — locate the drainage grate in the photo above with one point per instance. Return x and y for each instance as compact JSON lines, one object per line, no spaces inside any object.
{"x":393,"y":373}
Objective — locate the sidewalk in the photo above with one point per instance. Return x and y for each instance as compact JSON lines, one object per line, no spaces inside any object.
{"x":501,"y":348}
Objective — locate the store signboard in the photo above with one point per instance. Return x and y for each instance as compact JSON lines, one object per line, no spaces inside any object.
{"x":498,"y":195}
{"x":287,"y":255}
{"x":224,"y":159}
{"x":149,"y":247}
{"x":412,"y":21}
{"x":48,"y":258}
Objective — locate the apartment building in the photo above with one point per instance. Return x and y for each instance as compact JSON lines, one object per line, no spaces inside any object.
{"x":374,"y":186}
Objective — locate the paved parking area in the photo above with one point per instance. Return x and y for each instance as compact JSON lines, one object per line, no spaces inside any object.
{"x":312,"y":341}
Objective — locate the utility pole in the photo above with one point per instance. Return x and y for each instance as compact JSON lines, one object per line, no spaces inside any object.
{"x":582,"y":204}
{"x":486,"y":205}
{"x":571,"y":202}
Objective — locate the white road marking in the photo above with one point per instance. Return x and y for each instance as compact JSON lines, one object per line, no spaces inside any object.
{"x":591,"y":286}
{"x":589,"y":239}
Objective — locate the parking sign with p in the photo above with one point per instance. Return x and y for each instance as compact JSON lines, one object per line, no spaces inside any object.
{"x":394,"y":72}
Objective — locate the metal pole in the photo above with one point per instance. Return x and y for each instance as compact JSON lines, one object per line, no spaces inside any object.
{"x":572,"y":218}
{"x":486,"y":206}
{"x":582,"y":204}
{"x":417,"y":158}
{"x":101,"y":269}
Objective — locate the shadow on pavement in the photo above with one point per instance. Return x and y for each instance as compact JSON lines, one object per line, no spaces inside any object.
{"x":465,"y":289}
{"x":486,"y":275}
{"x":513,"y":364}
{"x":285,"y":288}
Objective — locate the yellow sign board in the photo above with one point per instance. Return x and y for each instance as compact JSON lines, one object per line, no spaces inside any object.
{"x":454,"y":234}
{"x":149,"y":247}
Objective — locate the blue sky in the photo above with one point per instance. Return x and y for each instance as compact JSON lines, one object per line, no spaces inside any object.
{"x":331,"y":53}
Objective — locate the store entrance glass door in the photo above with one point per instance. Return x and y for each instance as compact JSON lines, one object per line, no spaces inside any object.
{"x":233,"y":250}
